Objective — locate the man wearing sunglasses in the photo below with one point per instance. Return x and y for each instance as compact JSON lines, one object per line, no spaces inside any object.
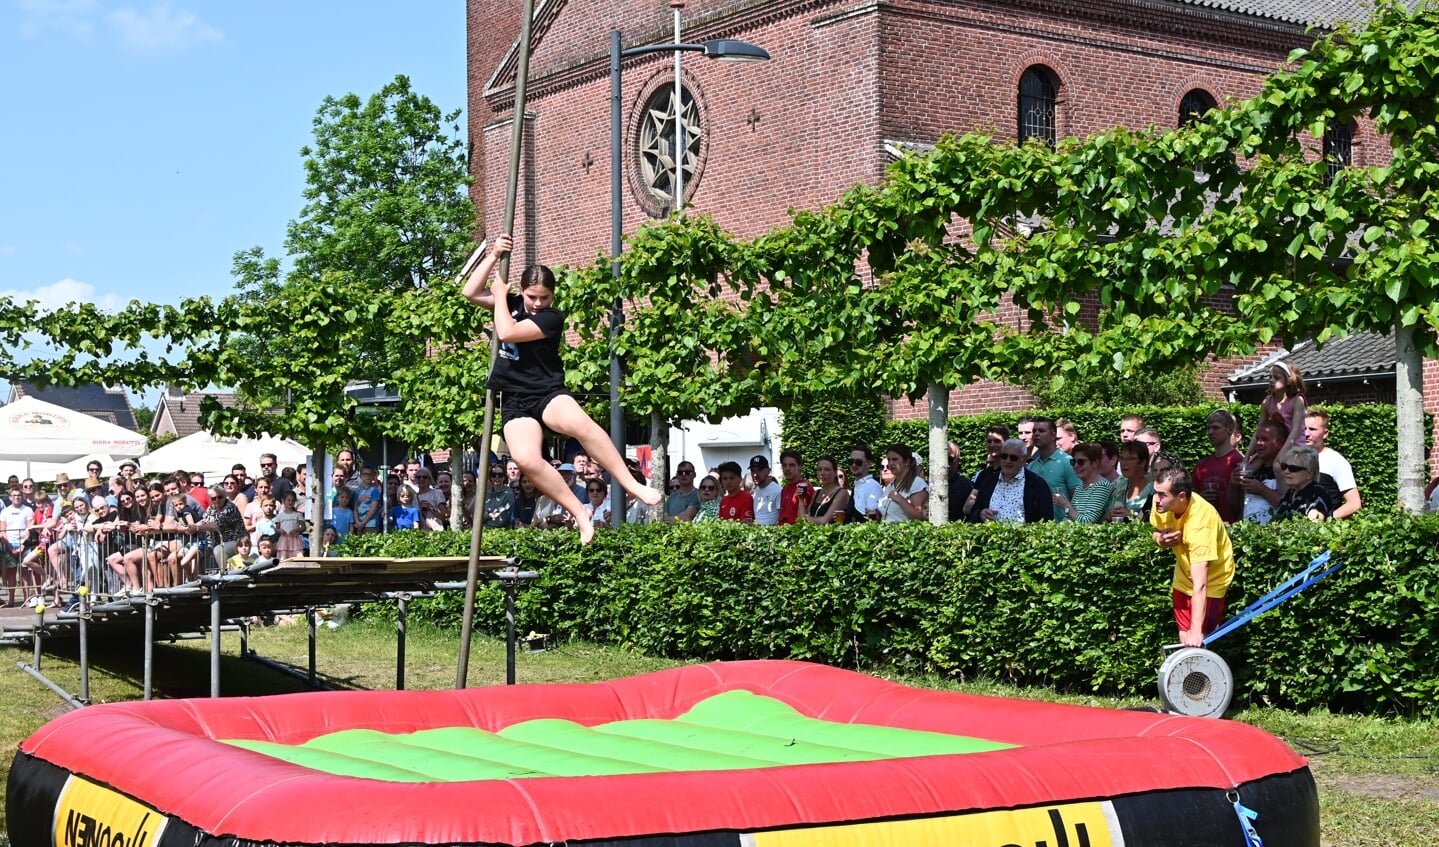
{"x":1013,"y":495}
{"x":683,"y":503}
{"x":864,"y":505}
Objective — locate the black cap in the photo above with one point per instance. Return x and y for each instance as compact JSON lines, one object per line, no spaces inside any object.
{"x":759,"y":462}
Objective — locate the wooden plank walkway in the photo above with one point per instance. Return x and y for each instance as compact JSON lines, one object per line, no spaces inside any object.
{"x":294,"y":584}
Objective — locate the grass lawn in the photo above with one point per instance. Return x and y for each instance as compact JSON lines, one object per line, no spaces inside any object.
{"x":1378,"y":779}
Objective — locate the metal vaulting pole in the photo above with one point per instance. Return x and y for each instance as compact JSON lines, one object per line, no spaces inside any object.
{"x":517,"y":137}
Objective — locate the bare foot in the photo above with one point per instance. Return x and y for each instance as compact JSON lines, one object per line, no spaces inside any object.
{"x":651,"y":497}
{"x":586,"y":528}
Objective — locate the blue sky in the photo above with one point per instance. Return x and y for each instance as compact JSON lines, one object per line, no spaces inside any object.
{"x":143,"y":144}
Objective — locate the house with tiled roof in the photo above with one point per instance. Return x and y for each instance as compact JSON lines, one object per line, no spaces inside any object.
{"x":178,"y":412}
{"x":1356,"y":368}
{"x":110,"y":403}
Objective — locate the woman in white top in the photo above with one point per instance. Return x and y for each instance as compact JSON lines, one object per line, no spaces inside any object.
{"x":905,"y":498}
{"x":598,"y":507}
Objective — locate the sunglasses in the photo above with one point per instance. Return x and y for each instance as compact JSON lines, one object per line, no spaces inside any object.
{"x":1010,"y":457}
{"x":1292,"y":468}
{"x":1078,"y":462}
{"x":709,"y":488}
{"x":674,"y":488}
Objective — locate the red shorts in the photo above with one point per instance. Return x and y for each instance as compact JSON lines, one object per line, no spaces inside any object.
{"x":1213,"y":612}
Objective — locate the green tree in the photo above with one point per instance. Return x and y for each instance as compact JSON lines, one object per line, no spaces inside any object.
{"x":1380,"y":217}
{"x":1162,"y":228}
{"x":386,"y":214}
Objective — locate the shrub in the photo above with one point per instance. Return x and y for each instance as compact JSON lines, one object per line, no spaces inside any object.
{"x":1068,"y":606}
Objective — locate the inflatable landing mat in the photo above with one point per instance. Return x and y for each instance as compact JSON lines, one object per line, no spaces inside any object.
{"x":732,"y":754}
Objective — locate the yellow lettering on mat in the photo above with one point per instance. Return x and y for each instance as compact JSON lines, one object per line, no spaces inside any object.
{"x":90,"y":815}
{"x":1091,"y":824}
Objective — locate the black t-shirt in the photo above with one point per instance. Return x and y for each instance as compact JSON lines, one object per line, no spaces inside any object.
{"x":532,"y":367}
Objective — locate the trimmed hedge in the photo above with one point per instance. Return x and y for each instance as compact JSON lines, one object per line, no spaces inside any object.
{"x":1061,"y":605}
{"x":1365,"y":434}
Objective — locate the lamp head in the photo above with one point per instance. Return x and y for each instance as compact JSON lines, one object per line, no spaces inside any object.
{"x":734,"y":50}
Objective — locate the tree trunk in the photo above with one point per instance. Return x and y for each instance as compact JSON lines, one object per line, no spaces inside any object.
{"x":1409,"y":414}
{"x":318,"y":478}
{"x":456,"y":492}
{"x":938,"y":469}
{"x":659,"y":454}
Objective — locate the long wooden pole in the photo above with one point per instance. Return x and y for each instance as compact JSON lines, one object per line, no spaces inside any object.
{"x":517,"y":136}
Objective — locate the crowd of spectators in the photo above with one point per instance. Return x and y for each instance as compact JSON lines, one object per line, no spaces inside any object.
{"x":1044,"y":473}
{"x":161,"y":531}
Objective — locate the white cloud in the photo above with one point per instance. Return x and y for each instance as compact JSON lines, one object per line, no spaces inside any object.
{"x":75,"y":18}
{"x":162,"y":27}
{"x":64,"y":293}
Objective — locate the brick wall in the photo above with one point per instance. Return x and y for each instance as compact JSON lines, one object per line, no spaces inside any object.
{"x":491,"y":28}
{"x":846,"y":77}
{"x":797,"y":131}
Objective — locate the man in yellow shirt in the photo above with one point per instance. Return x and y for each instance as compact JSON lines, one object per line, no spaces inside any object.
{"x":1204,"y":558}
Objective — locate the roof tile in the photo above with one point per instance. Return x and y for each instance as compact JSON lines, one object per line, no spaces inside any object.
{"x":1351,"y":355}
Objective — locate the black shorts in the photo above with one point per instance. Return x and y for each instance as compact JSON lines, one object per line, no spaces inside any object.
{"x":515,"y":405}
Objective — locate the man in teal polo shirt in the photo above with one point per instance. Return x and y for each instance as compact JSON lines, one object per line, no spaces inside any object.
{"x":1052,"y":464}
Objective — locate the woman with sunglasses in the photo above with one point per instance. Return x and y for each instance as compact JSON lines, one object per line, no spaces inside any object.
{"x":1091,"y":498}
{"x":530,"y":377}
{"x":1305,"y":495}
{"x":598,"y":507}
{"x":499,"y":500}
{"x":1133,"y":488}
{"x":709,"y":500}
{"x":223,"y":519}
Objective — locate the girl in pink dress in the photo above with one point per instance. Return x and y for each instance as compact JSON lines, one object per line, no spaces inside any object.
{"x":291,"y":526}
{"x":1284,"y":404}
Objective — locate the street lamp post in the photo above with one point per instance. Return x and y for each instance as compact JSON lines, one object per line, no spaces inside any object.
{"x":730,"y":49}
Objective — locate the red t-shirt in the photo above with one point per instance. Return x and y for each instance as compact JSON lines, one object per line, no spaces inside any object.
{"x":737,"y":507}
{"x":789,"y":504}
{"x":1211,"y":481}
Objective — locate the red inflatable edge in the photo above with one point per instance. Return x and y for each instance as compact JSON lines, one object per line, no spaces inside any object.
{"x":164,"y":753}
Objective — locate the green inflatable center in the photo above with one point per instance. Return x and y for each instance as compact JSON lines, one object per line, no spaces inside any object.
{"x":729,"y":731}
